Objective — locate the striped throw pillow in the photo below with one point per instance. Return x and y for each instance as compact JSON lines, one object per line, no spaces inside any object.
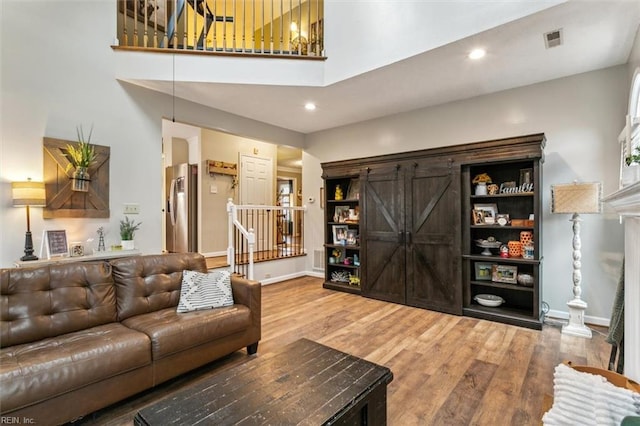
{"x":205,"y":291}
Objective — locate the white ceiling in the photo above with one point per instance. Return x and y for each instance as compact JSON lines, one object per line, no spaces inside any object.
{"x":597,"y":34}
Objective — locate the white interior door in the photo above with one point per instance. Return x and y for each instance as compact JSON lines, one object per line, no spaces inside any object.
{"x":256,"y":188}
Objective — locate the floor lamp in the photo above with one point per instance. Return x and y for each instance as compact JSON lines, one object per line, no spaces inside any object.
{"x":576,"y":198}
{"x":28,"y":194}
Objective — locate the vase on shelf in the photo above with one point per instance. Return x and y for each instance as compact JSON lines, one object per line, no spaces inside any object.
{"x":80,"y":180}
{"x":481,"y":188}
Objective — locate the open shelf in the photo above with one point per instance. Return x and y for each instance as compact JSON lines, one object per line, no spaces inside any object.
{"x":522,"y":305}
{"x":508,"y":315}
{"x":498,"y":259}
{"x":502,"y":285}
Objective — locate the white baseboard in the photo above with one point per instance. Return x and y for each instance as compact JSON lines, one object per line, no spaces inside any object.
{"x":274,"y":280}
{"x":214,"y":253}
{"x":280,"y":278}
{"x":588,"y":319}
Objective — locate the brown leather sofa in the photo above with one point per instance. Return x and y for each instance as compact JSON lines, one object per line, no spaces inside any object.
{"x":77,"y":337}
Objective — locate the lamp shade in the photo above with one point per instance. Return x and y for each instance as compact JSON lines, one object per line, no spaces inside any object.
{"x":576,"y":198}
{"x":28,"y":193}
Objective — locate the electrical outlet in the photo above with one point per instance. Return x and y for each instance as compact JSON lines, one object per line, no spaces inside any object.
{"x":132,"y":209}
{"x":267,"y":275}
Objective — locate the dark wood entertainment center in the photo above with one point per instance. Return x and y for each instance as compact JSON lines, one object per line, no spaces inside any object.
{"x":412,"y":236}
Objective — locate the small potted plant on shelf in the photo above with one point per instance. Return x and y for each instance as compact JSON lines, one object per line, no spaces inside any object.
{"x":127,"y":231}
{"x":81,"y":157}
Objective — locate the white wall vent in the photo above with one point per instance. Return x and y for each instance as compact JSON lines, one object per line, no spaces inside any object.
{"x":553,"y":38}
{"x":318,"y":259}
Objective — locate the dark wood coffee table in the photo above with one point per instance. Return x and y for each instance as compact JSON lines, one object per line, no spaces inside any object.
{"x":304,"y":383}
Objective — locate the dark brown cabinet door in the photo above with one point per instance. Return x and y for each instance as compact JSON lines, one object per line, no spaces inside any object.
{"x":383,"y":233}
{"x":433,"y":239}
{"x":411,"y":236}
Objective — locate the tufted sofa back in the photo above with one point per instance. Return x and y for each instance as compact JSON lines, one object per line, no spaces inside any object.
{"x":48,"y":301}
{"x":150,"y":283}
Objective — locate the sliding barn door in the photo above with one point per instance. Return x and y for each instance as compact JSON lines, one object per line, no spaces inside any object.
{"x":382,"y":235}
{"x":433,"y":238}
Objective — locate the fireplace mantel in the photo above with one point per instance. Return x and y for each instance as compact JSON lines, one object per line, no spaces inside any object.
{"x":626,"y":202}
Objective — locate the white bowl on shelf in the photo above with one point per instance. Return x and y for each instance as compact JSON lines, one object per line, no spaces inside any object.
{"x":490,"y":300}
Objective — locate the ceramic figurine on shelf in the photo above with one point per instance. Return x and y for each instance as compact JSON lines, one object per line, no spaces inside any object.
{"x":504,"y":251}
{"x":338,"y":195}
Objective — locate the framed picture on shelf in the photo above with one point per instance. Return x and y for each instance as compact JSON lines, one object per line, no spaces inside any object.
{"x":76,"y":249}
{"x":340,"y":234}
{"x":352,"y":237}
{"x":477,"y":217}
{"x":504,"y":274}
{"x":341,"y":214}
{"x":490,"y":211}
{"x":526,"y":176}
{"x":502,"y":219}
{"x":483,"y":271}
{"x":353,"y":193}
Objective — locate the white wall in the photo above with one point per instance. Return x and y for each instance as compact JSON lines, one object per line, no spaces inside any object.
{"x":61,"y":76}
{"x":228,"y":148}
{"x":634,"y":57}
{"x":359,"y":37}
{"x":581,"y":117}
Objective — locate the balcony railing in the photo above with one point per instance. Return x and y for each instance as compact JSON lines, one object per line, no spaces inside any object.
{"x":262,"y":233}
{"x":265,"y":27}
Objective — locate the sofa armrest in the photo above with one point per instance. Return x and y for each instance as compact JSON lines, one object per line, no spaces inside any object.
{"x":249,"y":293}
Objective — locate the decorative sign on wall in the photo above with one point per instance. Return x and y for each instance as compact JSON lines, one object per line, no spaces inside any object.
{"x":62,"y":201}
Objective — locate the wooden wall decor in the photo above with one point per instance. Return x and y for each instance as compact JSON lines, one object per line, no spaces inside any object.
{"x":61,"y":200}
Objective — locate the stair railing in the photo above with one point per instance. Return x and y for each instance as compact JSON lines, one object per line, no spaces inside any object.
{"x":259,"y":233}
{"x":265,"y":27}
{"x":248,"y":234}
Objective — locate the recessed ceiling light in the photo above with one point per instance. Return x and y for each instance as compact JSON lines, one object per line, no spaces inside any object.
{"x":309,"y":106}
{"x":477,"y":53}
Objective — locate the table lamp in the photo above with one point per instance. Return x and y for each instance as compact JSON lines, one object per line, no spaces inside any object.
{"x":576,"y":198}
{"x":29,"y":194}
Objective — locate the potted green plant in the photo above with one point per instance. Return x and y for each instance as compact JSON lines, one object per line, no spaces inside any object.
{"x":127,"y":231}
{"x":81,"y":156}
{"x":631,"y":173}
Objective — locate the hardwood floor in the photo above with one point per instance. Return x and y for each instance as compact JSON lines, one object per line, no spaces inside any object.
{"x":448,"y":370}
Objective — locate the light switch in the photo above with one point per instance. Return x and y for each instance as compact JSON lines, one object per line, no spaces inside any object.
{"x":131,"y":209}
{"x":213,"y":189}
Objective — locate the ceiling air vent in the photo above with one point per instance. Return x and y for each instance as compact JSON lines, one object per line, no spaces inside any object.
{"x":553,"y":38}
